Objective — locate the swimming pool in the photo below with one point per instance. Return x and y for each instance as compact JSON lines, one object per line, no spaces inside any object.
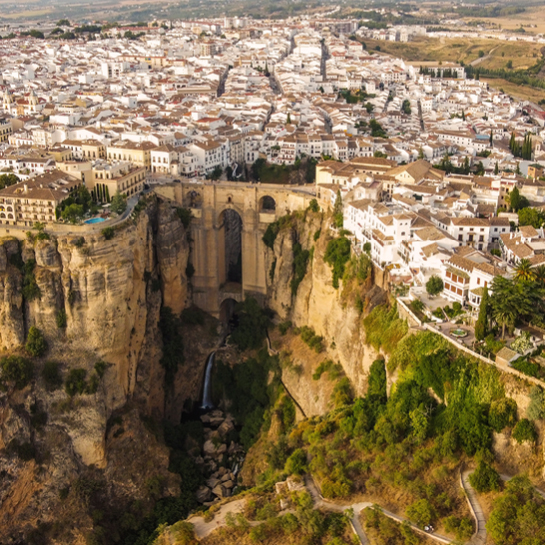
{"x":95,"y":220}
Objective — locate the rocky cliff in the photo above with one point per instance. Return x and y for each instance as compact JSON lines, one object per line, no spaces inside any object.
{"x":329,"y":311}
{"x":94,"y":300}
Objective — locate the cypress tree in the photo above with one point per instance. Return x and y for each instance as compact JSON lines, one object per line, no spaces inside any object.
{"x":481,"y":326}
{"x":496,"y":168}
{"x":491,"y":139}
{"x":107,"y":193}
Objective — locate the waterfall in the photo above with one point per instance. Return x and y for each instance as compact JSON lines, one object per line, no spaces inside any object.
{"x":207,"y":389}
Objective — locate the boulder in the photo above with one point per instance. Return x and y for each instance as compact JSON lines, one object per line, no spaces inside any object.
{"x":209,"y":447}
{"x":205,"y":419}
{"x":219,"y":491}
{"x":225,"y":427}
{"x":212,"y":482}
{"x":203,"y":494}
{"x":226,"y":477}
{"x":228,"y":484}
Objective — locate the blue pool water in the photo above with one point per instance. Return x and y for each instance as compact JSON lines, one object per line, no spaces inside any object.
{"x":95,"y":220}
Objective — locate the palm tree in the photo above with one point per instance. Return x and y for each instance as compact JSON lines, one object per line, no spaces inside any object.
{"x":540,"y":275}
{"x":523,"y":270}
{"x":504,"y":317}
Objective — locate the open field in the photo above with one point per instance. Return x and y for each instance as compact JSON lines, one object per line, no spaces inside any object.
{"x":521,"y":92}
{"x":497,"y":53}
{"x":532,"y":16}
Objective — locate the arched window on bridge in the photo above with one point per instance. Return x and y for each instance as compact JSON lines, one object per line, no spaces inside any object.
{"x":193,"y":199}
{"x":267,"y":204}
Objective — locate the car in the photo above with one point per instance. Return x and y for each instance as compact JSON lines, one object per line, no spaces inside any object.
{"x":177,"y":181}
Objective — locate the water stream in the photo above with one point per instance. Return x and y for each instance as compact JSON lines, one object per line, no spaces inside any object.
{"x":207,"y":388}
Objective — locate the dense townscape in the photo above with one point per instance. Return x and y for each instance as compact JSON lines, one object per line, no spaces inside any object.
{"x":423,"y":158}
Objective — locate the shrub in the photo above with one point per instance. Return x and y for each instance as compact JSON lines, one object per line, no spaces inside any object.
{"x":317,"y":235}
{"x":36,"y":344}
{"x":296,"y":464}
{"x":61,"y":319}
{"x":185,"y":216}
{"x":342,"y":393}
{"x":51,"y":375}
{"x":79,"y":242}
{"x":522,"y":343}
{"x":485,"y":478}
{"x":283,"y":327}
{"x":337,"y":254}
{"x":502,"y":414}
{"x":108,"y":233}
{"x":536,"y":408}
{"x":300,"y":262}
{"x":100,"y":368}
{"x":76,"y":382}
{"x":383,"y":328}
{"x":524,"y":431}
{"x":311,"y":339}
{"x":421,"y":512}
{"x":15,"y":369}
{"x":313,"y":206}
{"x":461,"y":527}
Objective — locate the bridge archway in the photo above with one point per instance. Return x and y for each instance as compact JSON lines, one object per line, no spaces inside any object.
{"x":227,"y":311}
{"x":230,"y":247}
{"x":267,"y":204}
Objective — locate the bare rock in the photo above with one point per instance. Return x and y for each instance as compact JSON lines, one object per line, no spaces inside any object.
{"x":209,"y":447}
{"x":203,"y":494}
{"x":219,"y":491}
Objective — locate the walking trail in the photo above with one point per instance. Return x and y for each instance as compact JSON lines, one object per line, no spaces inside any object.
{"x":202,"y":528}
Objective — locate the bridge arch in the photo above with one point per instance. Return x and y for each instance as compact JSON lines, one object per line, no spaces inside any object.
{"x":227,"y":310}
{"x":193,"y":199}
{"x":267,"y":204}
{"x":230,"y":246}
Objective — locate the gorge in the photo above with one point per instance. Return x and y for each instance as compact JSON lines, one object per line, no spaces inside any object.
{"x":115,"y":459}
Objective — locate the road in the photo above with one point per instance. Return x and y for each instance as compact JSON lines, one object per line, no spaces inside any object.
{"x":357,"y":508}
{"x":202,"y":528}
{"x":481,"y":59}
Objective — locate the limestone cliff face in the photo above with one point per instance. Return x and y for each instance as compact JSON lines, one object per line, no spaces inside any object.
{"x":318,"y":304}
{"x":111,"y":292}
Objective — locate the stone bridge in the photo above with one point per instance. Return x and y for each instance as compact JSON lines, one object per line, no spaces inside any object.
{"x":229,"y":220}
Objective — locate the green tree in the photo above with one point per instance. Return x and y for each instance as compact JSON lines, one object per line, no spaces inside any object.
{"x":36,"y":34}
{"x":337,"y":255}
{"x":434,"y":285}
{"x":502,"y":414}
{"x":531,"y":216}
{"x":481,"y":326}
{"x":518,"y":515}
{"x":496,"y":169}
{"x":52,"y":375}
{"x":36,"y":345}
{"x":338,"y":217}
{"x":524,"y":431}
{"x":296,"y":464}
{"x":118,"y":204}
{"x":72,"y":213}
{"x":485,"y":478}
{"x":16,"y":370}
{"x":421,"y":513}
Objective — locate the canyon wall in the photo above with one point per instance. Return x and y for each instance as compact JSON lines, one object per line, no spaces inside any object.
{"x":318,"y":304}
